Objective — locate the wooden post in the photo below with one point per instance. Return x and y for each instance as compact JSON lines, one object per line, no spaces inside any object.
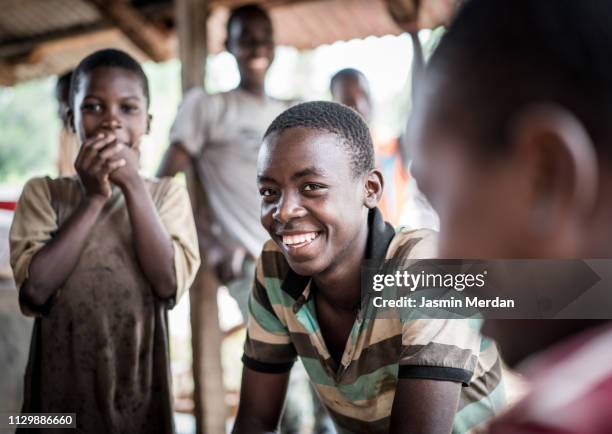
{"x":209,"y":393}
{"x":153,"y":42}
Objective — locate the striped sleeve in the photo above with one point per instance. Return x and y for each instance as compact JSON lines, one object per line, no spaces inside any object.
{"x":268,"y":346}
{"x":435,"y":349}
{"x":440,"y":349}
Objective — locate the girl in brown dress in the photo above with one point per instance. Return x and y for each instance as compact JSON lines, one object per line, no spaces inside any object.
{"x":98,"y":259}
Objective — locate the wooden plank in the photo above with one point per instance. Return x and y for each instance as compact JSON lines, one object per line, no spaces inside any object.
{"x":191,"y":27}
{"x":209,"y":393}
{"x":210,"y":409}
{"x":82,"y":45}
{"x":8,"y":76}
{"x":151,"y":40}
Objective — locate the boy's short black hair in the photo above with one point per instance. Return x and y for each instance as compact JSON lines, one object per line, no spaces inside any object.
{"x":109,"y":57}
{"x":333,"y":118}
{"x":507,"y":54}
{"x":347,"y":73}
{"x":246,"y":11}
{"x":63,"y":83}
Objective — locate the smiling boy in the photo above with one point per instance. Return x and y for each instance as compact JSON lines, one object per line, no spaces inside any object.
{"x":319,"y":194}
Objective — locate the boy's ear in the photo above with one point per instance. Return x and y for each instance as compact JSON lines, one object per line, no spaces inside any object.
{"x":374,"y":184}
{"x":560,"y":164}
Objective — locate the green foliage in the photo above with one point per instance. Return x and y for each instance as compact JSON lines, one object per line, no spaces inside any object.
{"x":29,"y":130}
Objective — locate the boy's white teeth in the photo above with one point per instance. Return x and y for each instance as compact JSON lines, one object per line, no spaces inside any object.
{"x":299,"y":238}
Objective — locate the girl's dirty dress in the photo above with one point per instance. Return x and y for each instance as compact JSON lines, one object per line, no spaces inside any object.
{"x":100,"y":345}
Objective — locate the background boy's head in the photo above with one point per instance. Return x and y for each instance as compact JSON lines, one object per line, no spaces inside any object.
{"x":250,"y":39}
{"x":512,"y":139}
{"x":317,"y":180}
{"x":109,"y":92}
{"x":62,"y":95}
{"x":517,"y":100}
{"x":350,"y":87}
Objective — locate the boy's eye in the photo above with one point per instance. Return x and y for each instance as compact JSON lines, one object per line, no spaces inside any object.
{"x":91,"y":107}
{"x":130,"y":108}
{"x":266,"y":192}
{"x":312,"y":187}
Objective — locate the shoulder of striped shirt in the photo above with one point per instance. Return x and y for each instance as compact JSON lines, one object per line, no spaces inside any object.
{"x":413,"y":244}
{"x":272,"y":263}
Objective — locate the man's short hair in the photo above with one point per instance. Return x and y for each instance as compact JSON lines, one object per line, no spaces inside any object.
{"x":246,"y":11}
{"x":350,"y":73}
{"x":107,"y":58}
{"x":336,"y":119}
{"x":505,"y":55}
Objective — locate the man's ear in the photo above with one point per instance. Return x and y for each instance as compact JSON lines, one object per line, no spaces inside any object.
{"x":560,"y":163}
{"x":374,"y":184}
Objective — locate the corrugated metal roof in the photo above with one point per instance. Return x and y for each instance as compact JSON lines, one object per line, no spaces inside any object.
{"x":29,"y":18}
{"x":306,"y":25}
{"x":44,"y":37}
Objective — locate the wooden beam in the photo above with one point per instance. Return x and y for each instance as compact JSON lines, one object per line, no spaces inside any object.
{"x":77,"y":45}
{"x":20,"y":47}
{"x":8,"y":76}
{"x":191,"y":20}
{"x":152,"y":41}
{"x":209,"y":392}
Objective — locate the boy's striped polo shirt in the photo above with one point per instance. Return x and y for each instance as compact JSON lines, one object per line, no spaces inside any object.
{"x":359,"y":392}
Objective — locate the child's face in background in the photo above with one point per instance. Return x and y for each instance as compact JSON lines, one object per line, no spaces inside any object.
{"x":251,"y":41}
{"x":352,"y":92}
{"x":111,"y":100}
{"x":312,"y":204}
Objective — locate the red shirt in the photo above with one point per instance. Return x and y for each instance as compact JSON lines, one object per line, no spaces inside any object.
{"x":571,"y":390}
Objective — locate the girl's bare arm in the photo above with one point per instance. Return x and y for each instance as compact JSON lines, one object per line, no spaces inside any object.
{"x":152,"y":242}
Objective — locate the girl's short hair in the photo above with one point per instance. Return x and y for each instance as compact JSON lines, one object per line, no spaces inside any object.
{"x":108,"y":57}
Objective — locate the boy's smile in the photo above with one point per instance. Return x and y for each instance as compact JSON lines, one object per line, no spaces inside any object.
{"x":297,"y":240}
{"x":312,"y":204}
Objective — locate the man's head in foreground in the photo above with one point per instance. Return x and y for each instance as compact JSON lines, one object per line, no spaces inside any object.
{"x":317,"y":180}
{"x":512,"y":133}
